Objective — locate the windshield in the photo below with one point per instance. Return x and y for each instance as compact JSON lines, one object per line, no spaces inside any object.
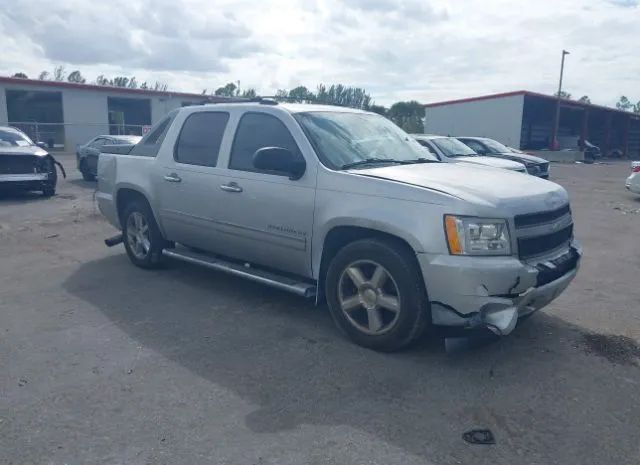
{"x":13,"y":138}
{"x":346,"y":138}
{"x":495,"y":146}
{"x":453,"y":147}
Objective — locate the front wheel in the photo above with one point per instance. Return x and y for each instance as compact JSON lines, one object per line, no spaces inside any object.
{"x":376,"y":295}
{"x":142,"y":238}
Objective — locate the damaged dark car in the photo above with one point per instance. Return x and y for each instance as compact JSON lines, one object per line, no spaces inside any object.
{"x":25,"y":165}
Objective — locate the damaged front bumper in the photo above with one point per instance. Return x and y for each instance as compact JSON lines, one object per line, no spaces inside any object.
{"x":493,"y":292}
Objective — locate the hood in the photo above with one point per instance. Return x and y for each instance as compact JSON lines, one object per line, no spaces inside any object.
{"x":520,"y":157}
{"x":515,"y":192}
{"x":27,"y":150}
{"x":493,"y":162}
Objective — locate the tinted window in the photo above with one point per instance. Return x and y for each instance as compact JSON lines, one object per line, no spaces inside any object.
{"x":255,"y":131}
{"x":452,"y":147}
{"x":151,"y":142}
{"x":200,"y":139}
{"x":475,"y":146}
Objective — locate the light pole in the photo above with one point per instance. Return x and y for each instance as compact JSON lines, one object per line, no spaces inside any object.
{"x":556,"y":122}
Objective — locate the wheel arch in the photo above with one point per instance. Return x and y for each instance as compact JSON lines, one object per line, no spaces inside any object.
{"x":341,"y":235}
{"x":127,"y":194}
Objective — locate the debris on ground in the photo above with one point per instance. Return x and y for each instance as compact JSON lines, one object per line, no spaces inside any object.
{"x":620,"y":350}
{"x":479,"y":436}
{"x":51,"y":236}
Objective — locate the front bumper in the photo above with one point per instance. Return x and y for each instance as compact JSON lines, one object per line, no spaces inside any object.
{"x":28,"y":177}
{"x":633,"y":183}
{"x":492,"y":292}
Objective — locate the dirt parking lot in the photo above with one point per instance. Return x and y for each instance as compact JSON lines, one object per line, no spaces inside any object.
{"x":104,"y":363}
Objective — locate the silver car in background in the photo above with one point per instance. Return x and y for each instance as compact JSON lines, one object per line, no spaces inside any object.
{"x":484,"y":146}
{"x":633,"y":181}
{"x":87,"y":154}
{"x":451,"y":150}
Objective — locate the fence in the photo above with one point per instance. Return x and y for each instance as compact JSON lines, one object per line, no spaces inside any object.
{"x":67,"y":136}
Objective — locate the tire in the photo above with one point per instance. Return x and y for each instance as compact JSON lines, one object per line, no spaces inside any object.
{"x":377,"y":327}
{"x":49,"y":191}
{"x":86,"y":174}
{"x":135,"y":215}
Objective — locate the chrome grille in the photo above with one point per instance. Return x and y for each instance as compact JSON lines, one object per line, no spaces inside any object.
{"x":18,"y":164}
{"x":542,"y":232}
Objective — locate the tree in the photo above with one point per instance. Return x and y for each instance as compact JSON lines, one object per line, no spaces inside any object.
{"x":563,"y":94}
{"x":379,"y":109}
{"x":44,"y":76}
{"x":133,"y":83}
{"x":249,"y":93}
{"x":624,"y":104}
{"x":636,"y":107}
{"x":341,"y":95}
{"x":75,"y":76}
{"x":20,"y":75}
{"x":229,"y":90}
{"x":160,"y":86}
{"x":144,"y":85}
{"x":584,"y":99}
{"x":121,"y":81}
{"x":408,"y":115}
{"x":59,"y":73}
{"x":301,"y":94}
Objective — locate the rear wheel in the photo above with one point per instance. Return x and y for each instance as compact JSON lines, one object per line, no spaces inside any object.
{"x":142,"y":238}
{"x":86,"y":174}
{"x":376,"y":295}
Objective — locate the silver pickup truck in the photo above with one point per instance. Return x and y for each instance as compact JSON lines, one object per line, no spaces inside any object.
{"x":342,"y":205}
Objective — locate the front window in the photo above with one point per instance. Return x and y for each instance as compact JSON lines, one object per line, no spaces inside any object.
{"x":453,"y":147}
{"x":13,"y":138}
{"x":342,"y":139}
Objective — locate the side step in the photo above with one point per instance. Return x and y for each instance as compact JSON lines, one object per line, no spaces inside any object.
{"x":261,"y":276}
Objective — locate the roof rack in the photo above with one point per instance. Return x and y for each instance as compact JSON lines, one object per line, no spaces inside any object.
{"x":261,"y":100}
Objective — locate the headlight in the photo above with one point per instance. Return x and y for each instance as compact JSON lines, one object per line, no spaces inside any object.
{"x":477,"y":236}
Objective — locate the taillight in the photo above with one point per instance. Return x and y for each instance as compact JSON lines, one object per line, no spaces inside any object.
{"x":635,"y":168}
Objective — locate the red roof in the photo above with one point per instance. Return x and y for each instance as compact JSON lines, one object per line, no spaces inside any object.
{"x":77,"y":86}
{"x":527,"y":93}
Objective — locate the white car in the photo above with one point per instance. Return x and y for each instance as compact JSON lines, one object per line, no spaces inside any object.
{"x":633,"y":181}
{"x":451,"y":150}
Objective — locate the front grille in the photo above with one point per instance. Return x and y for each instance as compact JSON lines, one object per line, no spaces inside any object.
{"x":533,"y":219}
{"x":538,"y":245}
{"x":544,"y":167}
{"x":560,"y":266}
{"x":18,"y":164}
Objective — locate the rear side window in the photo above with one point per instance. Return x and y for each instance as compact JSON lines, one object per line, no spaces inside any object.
{"x":200,"y":138}
{"x":150,"y":143}
{"x":255,"y":131}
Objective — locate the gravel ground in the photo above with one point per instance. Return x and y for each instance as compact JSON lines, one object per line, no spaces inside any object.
{"x":103,"y":363}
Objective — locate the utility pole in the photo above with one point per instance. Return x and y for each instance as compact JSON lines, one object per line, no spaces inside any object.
{"x":556,"y":122}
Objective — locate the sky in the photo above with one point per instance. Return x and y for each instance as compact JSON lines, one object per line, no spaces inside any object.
{"x":396,"y":49}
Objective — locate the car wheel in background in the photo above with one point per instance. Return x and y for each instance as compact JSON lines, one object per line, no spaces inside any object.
{"x":376,"y":295}
{"x":86,"y":174}
{"x":142,"y":238}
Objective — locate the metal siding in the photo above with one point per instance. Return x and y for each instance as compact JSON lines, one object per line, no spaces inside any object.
{"x":499,"y":119}
{"x":85,"y":116}
{"x":4,"y":117}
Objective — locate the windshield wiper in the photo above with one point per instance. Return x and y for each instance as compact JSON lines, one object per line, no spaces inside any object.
{"x":417,"y":160}
{"x":368,"y":161}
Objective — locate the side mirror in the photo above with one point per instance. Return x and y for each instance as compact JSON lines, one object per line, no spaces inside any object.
{"x":42,"y":145}
{"x":280,"y":160}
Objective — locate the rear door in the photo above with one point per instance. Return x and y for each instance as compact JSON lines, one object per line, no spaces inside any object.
{"x":189,"y":186}
{"x":267,"y":218}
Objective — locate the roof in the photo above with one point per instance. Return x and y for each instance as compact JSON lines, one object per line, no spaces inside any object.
{"x":526,"y":93}
{"x":95,"y":87}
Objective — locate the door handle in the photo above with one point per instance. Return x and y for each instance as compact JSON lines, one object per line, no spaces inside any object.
{"x":231,"y":187}
{"x":173,"y":177}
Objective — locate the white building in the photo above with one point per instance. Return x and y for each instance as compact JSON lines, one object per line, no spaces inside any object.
{"x":65,"y":114}
{"x":525,"y":120}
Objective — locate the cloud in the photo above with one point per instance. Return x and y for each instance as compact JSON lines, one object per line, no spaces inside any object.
{"x":396,"y":49}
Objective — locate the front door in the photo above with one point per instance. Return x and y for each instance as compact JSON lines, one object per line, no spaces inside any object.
{"x":189,"y":181}
{"x":266,"y":218}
